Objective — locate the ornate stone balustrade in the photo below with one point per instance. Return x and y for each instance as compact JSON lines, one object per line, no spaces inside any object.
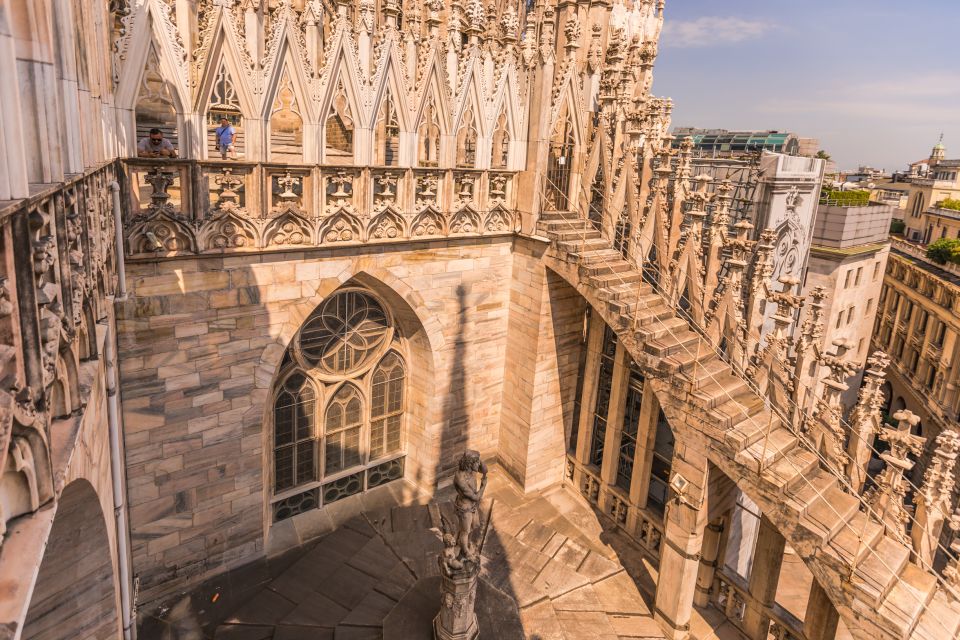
{"x":642,"y":525}
{"x":56,"y":271}
{"x":179,"y":207}
{"x":731,"y":596}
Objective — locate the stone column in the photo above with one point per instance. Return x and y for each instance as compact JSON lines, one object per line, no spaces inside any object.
{"x":684,"y":525}
{"x":588,"y":397}
{"x":820,"y":621}
{"x":708,"y":562}
{"x":618,"y":394}
{"x":764,"y":576}
{"x":457,"y":619}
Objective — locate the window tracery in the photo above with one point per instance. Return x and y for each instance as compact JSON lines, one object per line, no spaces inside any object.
{"x":467,"y":141}
{"x":387,"y":134}
{"x":339,"y":406}
{"x":286,"y":123}
{"x":428,"y":136}
{"x":224,"y":103}
{"x":500,"y":152}
{"x":339,"y":130}
{"x":156,"y":107}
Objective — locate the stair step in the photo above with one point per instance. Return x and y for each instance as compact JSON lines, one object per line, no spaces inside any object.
{"x":853,"y":542}
{"x":664,"y":328}
{"x":719,"y":389}
{"x":908,"y":598}
{"x":767,"y":450}
{"x":940,"y":620}
{"x":604,"y":255}
{"x":604,"y":268}
{"x":576,"y":247}
{"x":805,"y":492}
{"x":572,"y":234}
{"x":705,"y":374}
{"x":676,"y":342}
{"x":608,"y":280}
{"x":790,"y":471}
{"x":825,"y":515}
{"x":875,"y":576}
{"x":546,"y":216}
{"x":742,"y":406}
{"x":689,"y":362}
{"x":750,"y":429}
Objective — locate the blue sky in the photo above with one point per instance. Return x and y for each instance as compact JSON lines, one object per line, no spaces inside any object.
{"x":876,"y":81}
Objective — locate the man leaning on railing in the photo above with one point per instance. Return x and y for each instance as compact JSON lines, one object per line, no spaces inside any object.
{"x":156,"y":146}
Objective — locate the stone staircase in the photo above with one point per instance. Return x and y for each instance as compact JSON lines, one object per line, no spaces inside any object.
{"x":868,"y":574}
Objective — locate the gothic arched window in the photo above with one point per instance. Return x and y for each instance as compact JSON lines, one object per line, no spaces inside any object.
{"x":500,"y":151}
{"x":294,"y":442}
{"x":428,"y":137}
{"x":339,"y":130}
{"x":387,"y":134}
{"x":339,"y":406}
{"x":467,"y":141}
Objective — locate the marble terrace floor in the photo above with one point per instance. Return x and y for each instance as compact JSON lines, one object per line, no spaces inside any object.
{"x":548,"y":552}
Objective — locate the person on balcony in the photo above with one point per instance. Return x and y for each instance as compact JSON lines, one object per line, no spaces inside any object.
{"x":156,"y":146}
{"x":225,"y":135}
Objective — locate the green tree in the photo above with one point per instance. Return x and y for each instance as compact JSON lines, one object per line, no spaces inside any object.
{"x":949,"y":203}
{"x":822,"y":155}
{"x":944,"y":250}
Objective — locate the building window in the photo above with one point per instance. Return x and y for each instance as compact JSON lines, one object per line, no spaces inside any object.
{"x":839,"y":319}
{"x":846,"y":279}
{"x":604,"y":388}
{"x":860,"y":346}
{"x":467,"y":136}
{"x":339,"y":408}
{"x":294,"y":439}
{"x":631,"y":426}
{"x":939,"y":334}
{"x":856,"y":282}
{"x":662,"y":460}
{"x":850,"y":313}
{"x":876,"y":271}
{"x":869,"y":306}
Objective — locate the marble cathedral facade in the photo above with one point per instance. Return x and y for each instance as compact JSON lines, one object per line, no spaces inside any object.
{"x":444,"y":225}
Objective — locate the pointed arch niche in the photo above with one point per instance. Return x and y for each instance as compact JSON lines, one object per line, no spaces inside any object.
{"x":338,"y":129}
{"x":428,"y":135}
{"x":156,"y":106}
{"x":467,"y":136}
{"x":500,"y":143}
{"x":560,"y":164}
{"x":386,"y":133}
{"x":339,"y":405}
{"x":286,"y":123}
{"x":224,"y":103}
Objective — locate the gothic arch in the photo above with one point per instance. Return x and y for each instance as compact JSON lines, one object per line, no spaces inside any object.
{"x":74,"y":595}
{"x":223,"y":53}
{"x":153,"y":32}
{"x":340,"y":92}
{"x":421,"y":335}
{"x":389,"y":79}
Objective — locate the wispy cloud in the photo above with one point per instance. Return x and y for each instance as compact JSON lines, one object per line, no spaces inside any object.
{"x":924,"y":97}
{"x":708,"y":31}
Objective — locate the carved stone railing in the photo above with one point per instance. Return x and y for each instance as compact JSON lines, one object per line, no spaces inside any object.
{"x":56,"y":270}
{"x":640,"y":524}
{"x":916,"y":251}
{"x":185,"y":207}
{"x":731,"y":596}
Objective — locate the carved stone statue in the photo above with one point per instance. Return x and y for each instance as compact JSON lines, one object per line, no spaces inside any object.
{"x":460,"y":560}
{"x":468,"y":500}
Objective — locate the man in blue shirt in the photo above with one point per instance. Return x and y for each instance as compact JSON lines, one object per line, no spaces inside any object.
{"x":225,"y":134}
